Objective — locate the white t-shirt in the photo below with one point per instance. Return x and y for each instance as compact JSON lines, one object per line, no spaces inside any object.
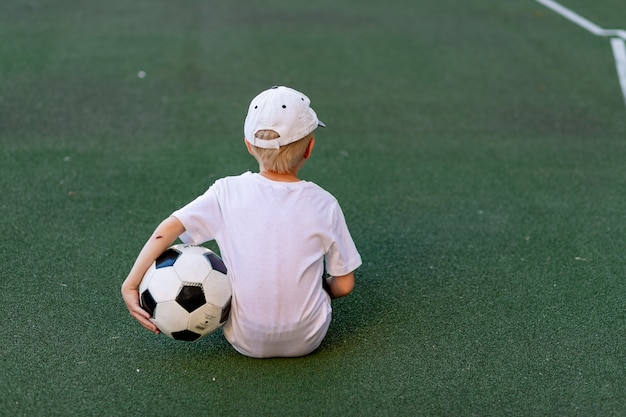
{"x":273,"y":238}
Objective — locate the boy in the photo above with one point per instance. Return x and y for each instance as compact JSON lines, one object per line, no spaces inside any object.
{"x":275,"y":233}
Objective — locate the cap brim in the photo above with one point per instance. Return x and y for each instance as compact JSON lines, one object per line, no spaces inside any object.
{"x":320,"y":123}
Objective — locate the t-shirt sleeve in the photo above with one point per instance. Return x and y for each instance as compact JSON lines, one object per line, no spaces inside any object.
{"x":342,"y":257}
{"x":201,"y":217}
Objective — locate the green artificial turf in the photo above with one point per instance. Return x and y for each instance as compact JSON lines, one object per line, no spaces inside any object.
{"x":477,"y":149}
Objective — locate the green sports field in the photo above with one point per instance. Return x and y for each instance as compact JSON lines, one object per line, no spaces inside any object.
{"x":478,"y":149}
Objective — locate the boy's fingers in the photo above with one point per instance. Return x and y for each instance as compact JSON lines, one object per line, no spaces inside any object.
{"x":150,"y":326}
{"x":138,"y":311}
{"x":143,"y":318}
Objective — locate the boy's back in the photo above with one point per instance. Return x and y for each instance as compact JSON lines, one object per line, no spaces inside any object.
{"x":276,"y":234}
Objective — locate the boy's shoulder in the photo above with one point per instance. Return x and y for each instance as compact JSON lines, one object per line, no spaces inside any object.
{"x":233,"y":179}
{"x":248,"y":179}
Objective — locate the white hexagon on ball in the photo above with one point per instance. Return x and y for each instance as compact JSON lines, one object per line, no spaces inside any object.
{"x":164,"y":284}
{"x":170,"y":317}
{"x":218,"y":286}
{"x":205,"y":319}
{"x":193,"y":267}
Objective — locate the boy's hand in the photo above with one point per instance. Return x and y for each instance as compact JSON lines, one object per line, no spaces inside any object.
{"x":339,"y":286}
{"x":131,"y":298}
{"x":163,"y":236}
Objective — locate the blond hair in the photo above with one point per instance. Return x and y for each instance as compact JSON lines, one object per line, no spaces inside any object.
{"x":284,"y":160}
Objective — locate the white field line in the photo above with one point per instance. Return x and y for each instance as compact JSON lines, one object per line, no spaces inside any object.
{"x":581,"y":21}
{"x":618,"y":36}
{"x":619,"y":51}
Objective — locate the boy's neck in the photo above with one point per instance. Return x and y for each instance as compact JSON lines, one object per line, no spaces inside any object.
{"x":275,"y":176}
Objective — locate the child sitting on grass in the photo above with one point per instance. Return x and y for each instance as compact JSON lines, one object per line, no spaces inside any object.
{"x":276,"y":234}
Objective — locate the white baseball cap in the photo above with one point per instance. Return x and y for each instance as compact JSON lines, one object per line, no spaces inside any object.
{"x":283,"y":110}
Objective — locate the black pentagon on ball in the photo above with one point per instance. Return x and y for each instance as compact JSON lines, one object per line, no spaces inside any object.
{"x":216,"y":262}
{"x":225,"y":311}
{"x":191,"y":297}
{"x":186,"y":335}
{"x":167,"y":258}
{"x":147,"y":302}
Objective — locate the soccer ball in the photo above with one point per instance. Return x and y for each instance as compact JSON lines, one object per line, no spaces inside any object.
{"x":187,"y":292}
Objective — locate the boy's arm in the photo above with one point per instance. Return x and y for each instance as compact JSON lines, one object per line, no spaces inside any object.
{"x":339,"y":286}
{"x":164,"y":235}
